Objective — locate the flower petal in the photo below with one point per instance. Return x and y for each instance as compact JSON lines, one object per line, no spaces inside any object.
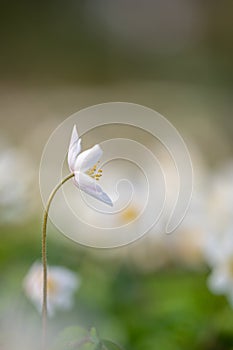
{"x":62,"y":283}
{"x":74,"y":148}
{"x":64,"y":278}
{"x":87,"y":159}
{"x":89,"y":185}
{"x":218,"y":281}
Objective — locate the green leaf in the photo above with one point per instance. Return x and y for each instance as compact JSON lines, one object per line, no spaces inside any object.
{"x":73,"y":338}
{"x":100,"y":346}
{"x":77,"y":338}
{"x":108,"y":345}
{"x":94,"y":336}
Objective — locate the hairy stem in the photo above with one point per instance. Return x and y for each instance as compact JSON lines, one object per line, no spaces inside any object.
{"x":44,"y":257}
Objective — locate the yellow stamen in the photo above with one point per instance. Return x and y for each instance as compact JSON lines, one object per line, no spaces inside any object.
{"x":94,"y":173}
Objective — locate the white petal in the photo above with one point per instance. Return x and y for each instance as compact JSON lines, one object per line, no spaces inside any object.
{"x":64,"y":278}
{"x":211,"y":249}
{"x":63,"y":301}
{"x":89,"y":185}
{"x":74,"y":148}
{"x":218,"y":281}
{"x":65,"y":281}
{"x":88,"y":158}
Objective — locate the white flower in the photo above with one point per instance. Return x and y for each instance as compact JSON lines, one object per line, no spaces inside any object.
{"x":84,"y":165}
{"x":221,"y":198}
{"x":61,"y":285}
{"x":220,"y":257}
{"x":218,"y":247}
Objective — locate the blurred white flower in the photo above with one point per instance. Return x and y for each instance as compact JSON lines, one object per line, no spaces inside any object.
{"x":221,"y":198}
{"x":185,"y":245}
{"x":16,"y":173}
{"x":61,"y":284}
{"x":219,"y":209}
{"x":220,"y":257}
{"x":218,"y":245}
{"x":84,"y":165}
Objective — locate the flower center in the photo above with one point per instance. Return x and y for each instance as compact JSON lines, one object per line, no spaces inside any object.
{"x":94,"y":172}
{"x":129,"y":214}
{"x":52,"y":286}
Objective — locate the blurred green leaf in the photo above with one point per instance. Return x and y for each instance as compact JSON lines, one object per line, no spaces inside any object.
{"x":108,"y":345}
{"x":94,"y":336}
{"x":73,"y":338}
{"x":77,"y":338}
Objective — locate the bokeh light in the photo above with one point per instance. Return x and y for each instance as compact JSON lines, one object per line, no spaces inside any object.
{"x":163,"y":291}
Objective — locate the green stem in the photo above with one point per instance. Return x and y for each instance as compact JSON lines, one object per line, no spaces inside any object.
{"x":44,"y":257}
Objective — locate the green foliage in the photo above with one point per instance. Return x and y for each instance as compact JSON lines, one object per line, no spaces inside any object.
{"x":77,"y":338}
{"x":109,"y":345}
{"x":72,"y":338}
{"x":171,"y":309}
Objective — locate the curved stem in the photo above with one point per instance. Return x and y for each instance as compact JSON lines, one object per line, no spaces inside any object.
{"x":44,"y":257}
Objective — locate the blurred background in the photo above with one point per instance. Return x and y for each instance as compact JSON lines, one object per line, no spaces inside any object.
{"x":162,"y":292}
